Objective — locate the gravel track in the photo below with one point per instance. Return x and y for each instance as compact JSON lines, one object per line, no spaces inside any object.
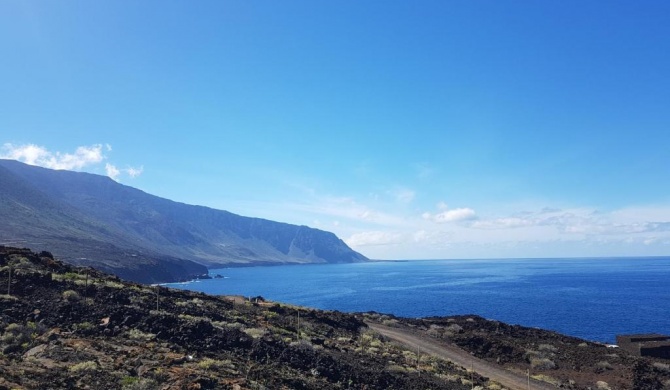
{"x":460,"y":357}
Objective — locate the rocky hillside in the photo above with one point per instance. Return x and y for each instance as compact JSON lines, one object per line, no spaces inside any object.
{"x":94,"y":221}
{"x":64,"y":327}
{"x":563,"y":361}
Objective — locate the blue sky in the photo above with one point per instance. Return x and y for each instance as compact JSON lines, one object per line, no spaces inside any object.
{"x":431,"y":129}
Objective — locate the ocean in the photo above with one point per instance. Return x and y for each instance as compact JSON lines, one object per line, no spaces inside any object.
{"x":594,"y":298}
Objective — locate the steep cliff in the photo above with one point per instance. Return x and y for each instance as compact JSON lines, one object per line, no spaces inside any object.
{"x":93,"y":220}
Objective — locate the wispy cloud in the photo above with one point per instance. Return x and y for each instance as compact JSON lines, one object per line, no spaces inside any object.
{"x":424,"y":170}
{"x":446,"y":215}
{"x":347,"y":208}
{"x":403,"y":195}
{"x":544,"y":232}
{"x":578,"y":221}
{"x":134,"y":172}
{"x":82,"y":158}
{"x":374,"y":238}
{"x":391,"y":223}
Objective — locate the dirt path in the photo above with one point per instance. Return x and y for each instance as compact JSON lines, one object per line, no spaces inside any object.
{"x":462,"y":358}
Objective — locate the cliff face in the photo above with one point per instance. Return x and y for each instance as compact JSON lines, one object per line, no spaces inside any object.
{"x":93,"y":220}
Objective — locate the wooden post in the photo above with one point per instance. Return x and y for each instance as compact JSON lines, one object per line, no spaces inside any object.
{"x":157,"y":297}
{"x":472,"y":374}
{"x":9,"y":280}
{"x":528,"y":375}
{"x":86,"y":287}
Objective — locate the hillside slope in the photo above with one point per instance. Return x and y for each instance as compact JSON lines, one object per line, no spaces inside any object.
{"x":69,"y":328}
{"x":65,"y":327}
{"x":91,"y":219}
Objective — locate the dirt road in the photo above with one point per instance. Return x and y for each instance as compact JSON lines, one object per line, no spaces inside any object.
{"x":462,"y":358}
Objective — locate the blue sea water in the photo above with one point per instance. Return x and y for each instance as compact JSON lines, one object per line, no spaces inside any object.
{"x":594,"y":299}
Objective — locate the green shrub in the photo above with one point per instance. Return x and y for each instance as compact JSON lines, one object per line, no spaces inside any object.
{"x":134,"y":383}
{"x":136,"y":334}
{"x":84,"y":326}
{"x":17,"y":337}
{"x":71,"y":296}
{"x":129,"y":380}
{"x":68,"y":276}
{"x":392,"y":322}
{"x":113,"y":284}
{"x":396,"y":368}
{"x":213,"y":364}
{"x":547,"y":348}
{"x":302,"y":344}
{"x":601,"y":385}
{"x":235,"y":325}
{"x":13,"y":328}
{"x":84,"y":366}
{"x":376,"y":343}
{"x":219,"y":324}
{"x":255,"y":332}
{"x":453,"y":329}
{"x":547,"y":379}
{"x":435,"y":330}
{"x":542,"y":363}
{"x":190,"y":318}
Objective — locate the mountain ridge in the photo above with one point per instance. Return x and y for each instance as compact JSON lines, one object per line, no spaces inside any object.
{"x":92,"y":220}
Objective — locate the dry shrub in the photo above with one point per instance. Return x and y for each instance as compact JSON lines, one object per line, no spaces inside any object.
{"x":542,"y":363}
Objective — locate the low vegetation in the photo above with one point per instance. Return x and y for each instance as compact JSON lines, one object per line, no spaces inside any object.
{"x":558,"y":360}
{"x":64,"y":327}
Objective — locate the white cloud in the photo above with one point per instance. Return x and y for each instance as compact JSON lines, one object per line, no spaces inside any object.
{"x":577,"y":221}
{"x":545,"y":232}
{"x":112,"y":171}
{"x":83,"y":157}
{"x":29,"y":154}
{"x":450,"y":215}
{"x":503,"y":223}
{"x":40,"y":156}
{"x":134,"y":172}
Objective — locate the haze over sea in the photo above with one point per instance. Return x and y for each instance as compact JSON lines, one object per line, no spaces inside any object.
{"x":594,"y":298}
